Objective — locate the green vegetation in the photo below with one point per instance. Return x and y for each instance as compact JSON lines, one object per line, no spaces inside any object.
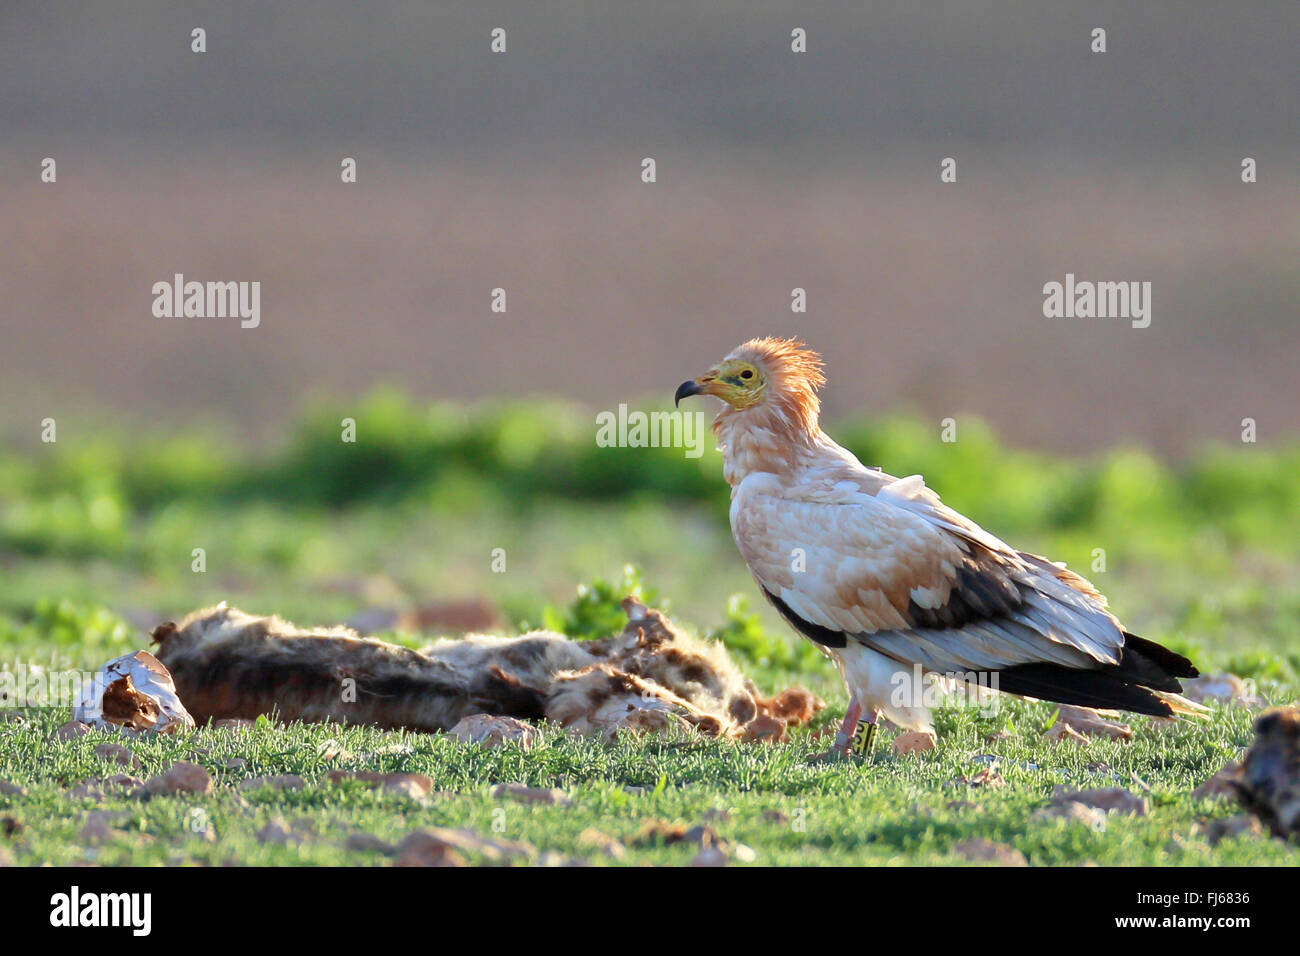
{"x":597,"y":611}
{"x":911,"y":809}
{"x":97,"y":543}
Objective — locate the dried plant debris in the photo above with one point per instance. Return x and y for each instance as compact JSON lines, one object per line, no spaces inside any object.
{"x":1091,"y":723}
{"x":1061,"y":732}
{"x":649,"y":678}
{"x":1269,"y":783}
{"x":134,"y":692}
{"x":713,"y":850}
{"x":989,"y":778}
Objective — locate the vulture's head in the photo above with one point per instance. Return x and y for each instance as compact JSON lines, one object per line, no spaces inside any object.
{"x":778,"y":375}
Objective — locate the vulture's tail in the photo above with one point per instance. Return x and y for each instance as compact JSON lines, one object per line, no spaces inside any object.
{"x":1145,"y":681}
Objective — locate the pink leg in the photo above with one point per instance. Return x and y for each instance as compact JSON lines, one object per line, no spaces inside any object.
{"x":844,"y":739}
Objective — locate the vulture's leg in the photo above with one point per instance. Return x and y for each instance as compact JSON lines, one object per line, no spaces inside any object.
{"x":844,"y":739}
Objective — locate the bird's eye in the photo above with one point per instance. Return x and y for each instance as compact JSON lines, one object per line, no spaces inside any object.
{"x":747,"y":374}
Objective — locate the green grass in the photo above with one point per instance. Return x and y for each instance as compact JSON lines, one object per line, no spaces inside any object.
{"x":96,"y":542}
{"x":888,"y":810}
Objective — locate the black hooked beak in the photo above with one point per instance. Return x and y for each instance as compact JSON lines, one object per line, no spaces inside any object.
{"x":686,"y":390}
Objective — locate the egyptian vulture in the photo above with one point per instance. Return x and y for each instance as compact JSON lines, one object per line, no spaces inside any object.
{"x":890,"y":583}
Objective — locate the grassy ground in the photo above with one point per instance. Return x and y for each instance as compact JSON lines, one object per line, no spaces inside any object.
{"x":96,"y":546}
{"x":888,"y":810}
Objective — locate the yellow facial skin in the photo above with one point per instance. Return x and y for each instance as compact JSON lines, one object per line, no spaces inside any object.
{"x":737,"y":383}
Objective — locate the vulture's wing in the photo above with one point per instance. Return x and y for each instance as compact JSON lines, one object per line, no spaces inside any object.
{"x":883,"y":562}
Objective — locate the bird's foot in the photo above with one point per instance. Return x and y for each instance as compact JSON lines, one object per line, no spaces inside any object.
{"x":839,"y":751}
{"x":851,"y":733}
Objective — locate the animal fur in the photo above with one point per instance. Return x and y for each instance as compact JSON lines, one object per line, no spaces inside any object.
{"x":1269,"y":781}
{"x":648,"y":677}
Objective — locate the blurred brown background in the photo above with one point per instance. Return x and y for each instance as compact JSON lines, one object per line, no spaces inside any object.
{"x":775,"y":170}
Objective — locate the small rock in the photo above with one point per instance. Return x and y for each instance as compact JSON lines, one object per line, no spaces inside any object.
{"x":601,"y":842}
{"x":429,"y":854}
{"x":1108,"y":799}
{"x":526,"y":794}
{"x":275,"y":831}
{"x":118,"y":754}
{"x":72,"y":730}
{"x":333,"y":751}
{"x":487,"y":730}
{"x":710,"y":856}
{"x":236,"y":725}
{"x":12,"y":789}
{"x":986,"y":851}
{"x":99,"y":826}
{"x":181,"y":777}
{"x":279,"y":781}
{"x":1073,"y":812}
{"x":86,"y":791}
{"x":428,"y":847}
{"x":413,"y":785}
{"x":123,"y":781}
{"x":913,"y":742}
